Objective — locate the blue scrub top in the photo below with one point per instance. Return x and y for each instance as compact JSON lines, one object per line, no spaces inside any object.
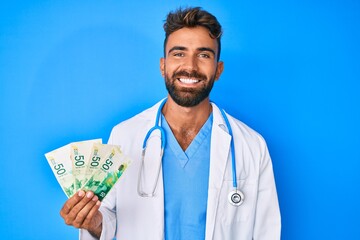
{"x":186,"y":180}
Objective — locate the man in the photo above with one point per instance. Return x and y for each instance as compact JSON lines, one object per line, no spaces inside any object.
{"x":188,"y":193}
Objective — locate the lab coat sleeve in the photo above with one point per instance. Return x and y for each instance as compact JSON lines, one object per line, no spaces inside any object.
{"x":267,"y":221}
{"x":108,"y":212}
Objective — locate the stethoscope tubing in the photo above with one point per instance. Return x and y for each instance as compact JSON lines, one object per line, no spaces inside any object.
{"x":232,"y":147}
{"x":156,"y":126}
{"x":236,"y":197}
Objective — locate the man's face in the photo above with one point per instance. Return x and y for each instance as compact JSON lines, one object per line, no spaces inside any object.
{"x":190,"y":67}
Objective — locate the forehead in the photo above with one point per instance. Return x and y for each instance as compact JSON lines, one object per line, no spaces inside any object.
{"x":191,"y":38}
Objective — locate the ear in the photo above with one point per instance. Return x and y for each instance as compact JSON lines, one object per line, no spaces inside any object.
{"x":162,"y":66}
{"x":219,"y":70}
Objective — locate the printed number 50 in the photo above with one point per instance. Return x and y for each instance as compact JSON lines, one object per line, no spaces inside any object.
{"x":59,"y":169}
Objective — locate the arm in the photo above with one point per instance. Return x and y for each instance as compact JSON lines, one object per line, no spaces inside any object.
{"x":82,"y":211}
{"x":267,"y":220}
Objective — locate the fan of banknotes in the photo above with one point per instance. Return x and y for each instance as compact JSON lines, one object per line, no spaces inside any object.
{"x":87,"y":165}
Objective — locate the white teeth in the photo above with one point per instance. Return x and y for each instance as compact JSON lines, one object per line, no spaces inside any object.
{"x":187,"y":80}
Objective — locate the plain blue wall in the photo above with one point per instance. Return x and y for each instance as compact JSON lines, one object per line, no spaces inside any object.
{"x":71,"y":70}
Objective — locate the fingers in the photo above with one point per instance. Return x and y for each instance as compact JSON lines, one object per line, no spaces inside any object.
{"x":93,"y":218}
{"x":80,"y":209}
{"x":83,"y":209}
{"x":71,"y":202}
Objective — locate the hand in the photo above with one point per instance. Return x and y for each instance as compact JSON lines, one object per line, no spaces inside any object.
{"x":82,"y":211}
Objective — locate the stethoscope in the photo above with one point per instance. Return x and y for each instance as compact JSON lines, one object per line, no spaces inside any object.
{"x":235,"y":197}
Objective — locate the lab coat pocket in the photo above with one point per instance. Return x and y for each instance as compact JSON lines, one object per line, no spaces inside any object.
{"x":229,"y":213}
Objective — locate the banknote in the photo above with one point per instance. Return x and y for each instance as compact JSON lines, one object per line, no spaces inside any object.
{"x":61,"y":165}
{"x":112,"y":164}
{"x":80,"y":156}
{"x":87,"y":165}
{"x":97,"y":155}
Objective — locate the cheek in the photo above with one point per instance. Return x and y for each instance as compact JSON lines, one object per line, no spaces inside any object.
{"x":169,"y":69}
{"x":211,"y":71}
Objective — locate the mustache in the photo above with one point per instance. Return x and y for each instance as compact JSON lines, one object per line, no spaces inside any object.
{"x":192,"y":74}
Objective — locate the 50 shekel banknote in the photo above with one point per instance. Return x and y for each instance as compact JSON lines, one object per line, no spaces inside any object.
{"x":87,"y":165}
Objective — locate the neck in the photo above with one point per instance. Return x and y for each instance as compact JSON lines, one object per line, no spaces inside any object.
{"x":187,"y":117}
{"x":186,"y":122}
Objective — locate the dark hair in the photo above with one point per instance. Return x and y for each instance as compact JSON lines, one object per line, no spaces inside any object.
{"x":192,"y":17}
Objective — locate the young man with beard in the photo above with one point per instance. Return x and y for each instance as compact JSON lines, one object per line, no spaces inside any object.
{"x":196,"y":189}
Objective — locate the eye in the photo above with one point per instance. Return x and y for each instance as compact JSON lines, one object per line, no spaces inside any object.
{"x":204,"y":55}
{"x":178,"y":54}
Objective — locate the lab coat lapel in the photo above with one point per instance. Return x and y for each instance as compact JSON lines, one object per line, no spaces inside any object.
{"x":153,"y":221}
{"x":219,"y":153}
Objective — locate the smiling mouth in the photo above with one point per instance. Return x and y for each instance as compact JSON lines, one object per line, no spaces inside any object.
{"x":188,"y":80}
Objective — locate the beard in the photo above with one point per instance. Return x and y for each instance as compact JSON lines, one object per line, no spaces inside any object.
{"x":188,"y":97}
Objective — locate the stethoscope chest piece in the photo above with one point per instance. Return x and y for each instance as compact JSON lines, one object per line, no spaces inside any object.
{"x":236,"y":197}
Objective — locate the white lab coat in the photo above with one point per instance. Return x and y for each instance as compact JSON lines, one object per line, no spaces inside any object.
{"x":138,"y":218}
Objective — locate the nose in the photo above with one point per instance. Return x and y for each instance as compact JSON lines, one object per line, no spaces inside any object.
{"x":191,"y":63}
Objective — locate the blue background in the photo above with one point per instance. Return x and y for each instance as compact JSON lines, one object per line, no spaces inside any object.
{"x":71,"y":70}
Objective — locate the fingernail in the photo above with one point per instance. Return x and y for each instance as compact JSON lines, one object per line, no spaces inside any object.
{"x":81,"y":193}
{"x":89,"y":194}
{"x":98,"y":203}
{"x":95,"y":198}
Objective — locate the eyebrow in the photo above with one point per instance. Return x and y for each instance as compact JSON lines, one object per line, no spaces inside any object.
{"x":176,"y":48}
{"x":206,"y":49}
{"x":201,"y":49}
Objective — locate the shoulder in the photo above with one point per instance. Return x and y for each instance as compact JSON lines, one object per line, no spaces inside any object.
{"x":251,"y":142}
{"x":242,"y":133}
{"x":131,"y":126}
{"x":245,"y":129}
{"x":246,"y":132}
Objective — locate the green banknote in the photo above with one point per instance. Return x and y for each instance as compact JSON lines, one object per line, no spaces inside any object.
{"x":80,"y":155}
{"x":98,"y":153}
{"x":87,"y":165}
{"x":61,"y":165}
{"x":112,"y":164}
